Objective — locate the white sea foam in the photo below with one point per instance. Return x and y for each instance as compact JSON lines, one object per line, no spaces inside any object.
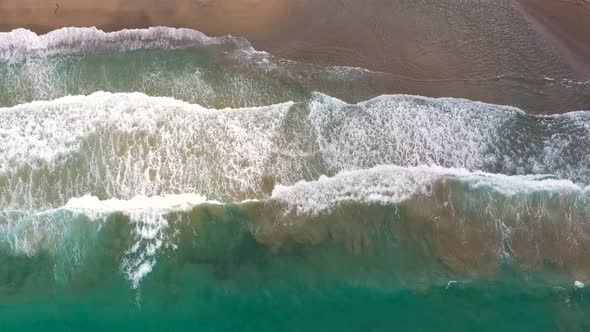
{"x":29,"y":69}
{"x":379,"y":185}
{"x":407,"y":130}
{"x":148,"y":214}
{"x":394,"y":184}
{"x":505,"y":206}
{"x":124,"y":145}
{"x":456,"y":133}
{"x":94,"y":207}
{"x":19,"y":43}
{"x":382,"y":185}
{"x":55,"y":230}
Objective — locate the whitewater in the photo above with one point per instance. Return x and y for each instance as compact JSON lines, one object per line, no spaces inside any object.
{"x":142,"y":169}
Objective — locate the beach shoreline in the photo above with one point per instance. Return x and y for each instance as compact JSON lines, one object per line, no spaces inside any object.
{"x":433,"y":48}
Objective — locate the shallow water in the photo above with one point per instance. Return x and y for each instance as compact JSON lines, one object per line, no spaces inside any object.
{"x":227,"y":72}
{"x":160,"y":178}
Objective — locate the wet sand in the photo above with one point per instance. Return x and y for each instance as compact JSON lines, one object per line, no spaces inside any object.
{"x":482,"y":50}
{"x":567,"y":23}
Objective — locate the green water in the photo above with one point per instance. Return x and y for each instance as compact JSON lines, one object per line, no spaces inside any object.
{"x":202,"y":76}
{"x":218,"y":276}
{"x":345,"y":210}
{"x":218,"y":78}
{"x":177,"y":304}
{"x":283,"y":293}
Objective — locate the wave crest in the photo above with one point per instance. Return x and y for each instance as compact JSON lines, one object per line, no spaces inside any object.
{"x":20,"y":43}
{"x":125,"y":145}
{"x":472,"y":222}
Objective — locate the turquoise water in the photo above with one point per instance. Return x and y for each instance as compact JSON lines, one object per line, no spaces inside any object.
{"x":224,"y":279}
{"x":312,"y":306}
{"x":161,"y":179}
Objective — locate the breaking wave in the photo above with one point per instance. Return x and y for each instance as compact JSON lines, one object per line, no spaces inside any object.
{"x":124,"y":179}
{"x":21,"y":43}
{"x":125,"y":145}
{"x":471,"y":223}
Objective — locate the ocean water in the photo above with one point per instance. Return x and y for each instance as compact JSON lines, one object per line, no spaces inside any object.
{"x":162,"y":179}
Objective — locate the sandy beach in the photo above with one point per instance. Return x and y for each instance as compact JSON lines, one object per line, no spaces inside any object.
{"x":567,"y":23}
{"x":433,"y":48}
{"x":294,"y":165}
